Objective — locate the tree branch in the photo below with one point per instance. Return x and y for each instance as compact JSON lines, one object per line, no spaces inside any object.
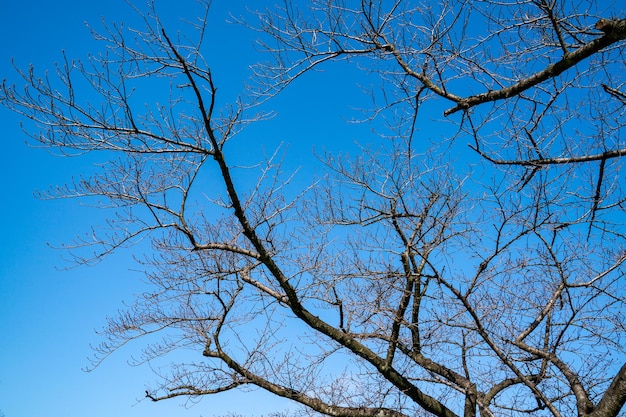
{"x":614,"y":31}
{"x":614,"y":397}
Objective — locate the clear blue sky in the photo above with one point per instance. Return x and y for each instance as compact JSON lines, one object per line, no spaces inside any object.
{"x":48,"y":316}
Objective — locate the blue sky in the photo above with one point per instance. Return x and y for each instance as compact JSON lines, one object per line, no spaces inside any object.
{"x":48,"y":316}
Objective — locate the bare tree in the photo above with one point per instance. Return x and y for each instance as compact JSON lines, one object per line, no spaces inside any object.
{"x":409,"y":279}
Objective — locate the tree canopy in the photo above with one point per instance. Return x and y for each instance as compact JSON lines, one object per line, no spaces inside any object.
{"x":464,"y":258}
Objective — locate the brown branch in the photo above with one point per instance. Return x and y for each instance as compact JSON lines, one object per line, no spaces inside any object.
{"x":614,"y":31}
{"x":427,"y":82}
{"x":224,"y":247}
{"x":615,"y":93}
{"x":187,"y":390}
{"x":582,"y":399}
{"x":614,"y":397}
{"x":596,"y":197}
{"x":500,"y":353}
{"x":395,"y":377}
{"x":549,"y":10}
{"x":553,"y":161}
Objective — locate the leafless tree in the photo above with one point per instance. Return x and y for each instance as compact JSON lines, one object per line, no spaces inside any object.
{"x":418,"y":276}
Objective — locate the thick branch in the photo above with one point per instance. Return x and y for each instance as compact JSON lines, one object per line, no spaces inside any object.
{"x":614,"y":31}
{"x":554,"y":161}
{"x":614,"y":398}
{"x":429,"y":403}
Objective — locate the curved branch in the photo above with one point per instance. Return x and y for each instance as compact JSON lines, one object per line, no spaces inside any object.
{"x":187,"y":390}
{"x":300,"y":397}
